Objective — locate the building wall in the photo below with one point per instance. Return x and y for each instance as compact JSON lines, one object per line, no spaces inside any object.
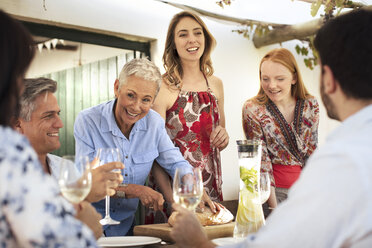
{"x":235,"y":59}
{"x":48,"y":61}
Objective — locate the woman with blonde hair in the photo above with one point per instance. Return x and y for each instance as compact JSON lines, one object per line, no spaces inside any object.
{"x":285,"y":117}
{"x":191,"y":100}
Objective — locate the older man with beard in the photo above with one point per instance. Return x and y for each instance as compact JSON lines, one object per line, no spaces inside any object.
{"x":331,"y":204}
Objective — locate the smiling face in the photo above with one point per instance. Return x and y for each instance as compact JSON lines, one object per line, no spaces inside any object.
{"x":189,"y":39}
{"x":43,"y":129}
{"x":134,"y":100}
{"x":276,"y":81}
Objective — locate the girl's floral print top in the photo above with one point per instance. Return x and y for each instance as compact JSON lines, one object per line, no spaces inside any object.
{"x":32,"y":211}
{"x":282,"y":143}
{"x":189,"y":123}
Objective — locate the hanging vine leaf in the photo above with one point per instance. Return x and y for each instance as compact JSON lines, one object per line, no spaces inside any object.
{"x":340,"y":3}
{"x":311,"y":59}
{"x":245,"y":32}
{"x":329,"y":6}
{"x":315,"y":7}
{"x":349,"y":3}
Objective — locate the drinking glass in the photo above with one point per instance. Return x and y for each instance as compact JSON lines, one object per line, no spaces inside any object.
{"x":75,"y":185}
{"x":188,"y":188}
{"x":107,"y":155}
{"x":265,"y":186}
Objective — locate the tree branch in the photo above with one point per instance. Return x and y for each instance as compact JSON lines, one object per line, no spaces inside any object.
{"x":279,"y":33}
{"x":290,"y":32}
{"x":222,"y":17}
{"x":351,"y":5}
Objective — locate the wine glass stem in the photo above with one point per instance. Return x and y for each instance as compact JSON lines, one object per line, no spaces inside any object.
{"x":107,"y":206}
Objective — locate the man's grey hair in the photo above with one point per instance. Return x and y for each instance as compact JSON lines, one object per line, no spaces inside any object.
{"x":33,"y":88}
{"x":142,"y":68}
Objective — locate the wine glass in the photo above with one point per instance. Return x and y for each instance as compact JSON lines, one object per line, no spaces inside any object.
{"x":188,"y":188}
{"x":265,"y":186}
{"x":107,"y":155}
{"x":75,"y":185}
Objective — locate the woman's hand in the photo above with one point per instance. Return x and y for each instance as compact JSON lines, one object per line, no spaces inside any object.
{"x":219,"y":138}
{"x":214,"y":206}
{"x":148,"y":197}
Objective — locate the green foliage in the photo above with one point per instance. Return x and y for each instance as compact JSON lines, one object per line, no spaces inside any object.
{"x":244,"y":32}
{"x":330,"y":6}
{"x":310,"y":60}
{"x":250,"y":29}
{"x":302,"y":50}
{"x":349,"y":3}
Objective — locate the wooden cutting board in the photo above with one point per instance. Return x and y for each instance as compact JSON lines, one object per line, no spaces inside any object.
{"x":163,"y":231}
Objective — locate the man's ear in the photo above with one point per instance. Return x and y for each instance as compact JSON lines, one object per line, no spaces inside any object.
{"x":18,"y":126}
{"x":329,"y":81}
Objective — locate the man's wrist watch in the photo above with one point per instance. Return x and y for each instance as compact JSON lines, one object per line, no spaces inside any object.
{"x":120,"y":193}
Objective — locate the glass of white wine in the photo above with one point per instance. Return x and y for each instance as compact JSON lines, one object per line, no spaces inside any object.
{"x":265,"y":186}
{"x":188,"y":188}
{"x":107,"y":155}
{"x":75,"y":185}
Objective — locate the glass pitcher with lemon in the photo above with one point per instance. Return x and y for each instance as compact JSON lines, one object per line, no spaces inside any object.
{"x":250,"y":216}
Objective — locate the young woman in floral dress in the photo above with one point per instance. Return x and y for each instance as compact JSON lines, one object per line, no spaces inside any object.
{"x":191,"y":102}
{"x":285,"y":117}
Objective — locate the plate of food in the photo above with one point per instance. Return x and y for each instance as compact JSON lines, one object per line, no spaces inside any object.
{"x":127,"y":241}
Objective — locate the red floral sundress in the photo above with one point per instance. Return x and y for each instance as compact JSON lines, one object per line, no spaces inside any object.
{"x":189,"y":123}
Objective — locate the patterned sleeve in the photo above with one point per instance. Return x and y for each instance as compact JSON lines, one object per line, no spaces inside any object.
{"x":33,"y":213}
{"x":314,"y":119}
{"x":253,"y":130}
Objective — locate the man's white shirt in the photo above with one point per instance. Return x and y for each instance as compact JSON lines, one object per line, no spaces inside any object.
{"x":331,"y":203}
